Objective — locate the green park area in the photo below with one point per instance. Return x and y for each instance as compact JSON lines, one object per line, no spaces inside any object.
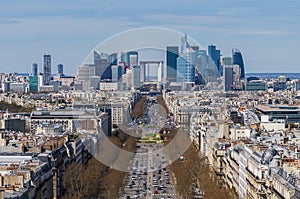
{"x":151,"y":138}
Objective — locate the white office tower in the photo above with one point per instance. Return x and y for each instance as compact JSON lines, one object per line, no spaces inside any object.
{"x":142,"y":72}
{"x":126,"y":78}
{"x":133,"y":60}
{"x":40,"y":82}
{"x":84,"y":73}
{"x":160,"y":73}
{"x":237,"y":84}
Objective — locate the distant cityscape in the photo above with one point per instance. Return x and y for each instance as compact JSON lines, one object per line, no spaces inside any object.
{"x":184,"y":67}
{"x":241,"y":130}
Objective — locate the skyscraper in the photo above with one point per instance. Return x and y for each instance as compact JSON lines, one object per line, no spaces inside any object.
{"x":136,"y":77}
{"x":120,"y":70}
{"x":227,"y":61}
{"x":131,"y":58}
{"x":97,"y":56}
{"x":214,"y":60}
{"x":114,"y":73}
{"x":34,"y":69}
{"x":47,"y":69}
{"x":228,"y":78}
{"x":186,"y":66}
{"x":201,"y":65}
{"x":172,"y":55}
{"x":84,"y":74}
{"x":113,"y":58}
{"x":237,"y":58}
{"x":60,"y":69}
{"x":102,"y":65}
{"x":186,"y":62}
{"x":33,"y":84}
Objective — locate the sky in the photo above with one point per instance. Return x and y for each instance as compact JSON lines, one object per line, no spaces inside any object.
{"x":266,"y":32}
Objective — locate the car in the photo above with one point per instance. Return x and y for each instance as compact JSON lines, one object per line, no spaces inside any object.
{"x":162,"y":186}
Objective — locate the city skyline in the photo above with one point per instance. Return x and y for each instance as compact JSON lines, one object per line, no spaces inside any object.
{"x":69,"y":32}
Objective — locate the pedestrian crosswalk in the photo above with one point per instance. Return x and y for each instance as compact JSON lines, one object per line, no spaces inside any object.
{"x":164,"y":194}
{"x":141,"y":186}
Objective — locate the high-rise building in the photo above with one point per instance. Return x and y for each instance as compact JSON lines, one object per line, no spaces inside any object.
{"x":297,"y":85}
{"x":103,"y":63}
{"x":237,"y":58}
{"x":171,"y":56}
{"x":60,"y":69}
{"x":186,"y":66}
{"x":160,"y":72}
{"x":227,"y":61}
{"x":123,"y":57}
{"x":47,"y":69}
{"x":130,"y":58}
{"x":237,"y":84}
{"x":228,"y":78}
{"x":184,"y":43}
{"x":133,"y":58}
{"x":113,"y":58}
{"x":84,"y":74}
{"x":120,"y":70}
{"x":34,"y":69}
{"x":214,"y":63}
{"x":97,"y":56}
{"x":127,"y":78}
{"x":94,"y":82}
{"x":186,"y":62}
{"x":136,"y":77}
{"x":201,"y":65}
{"x":103,"y":68}
{"x":33,"y":83}
{"x":114,"y":73}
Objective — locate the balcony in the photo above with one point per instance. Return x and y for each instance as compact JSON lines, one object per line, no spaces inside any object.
{"x":261,"y":192}
{"x":260,"y":180}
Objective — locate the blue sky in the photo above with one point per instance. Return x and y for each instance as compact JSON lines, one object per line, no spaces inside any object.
{"x":267,"y":32}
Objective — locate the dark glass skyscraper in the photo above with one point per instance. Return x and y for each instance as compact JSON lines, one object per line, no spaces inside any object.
{"x":47,"y":69}
{"x":113,"y":58}
{"x":103,"y":65}
{"x":34,"y":69}
{"x":214,"y":60}
{"x":228,"y":78}
{"x":60,"y":69}
{"x":237,"y":59}
{"x":172,"y":55}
